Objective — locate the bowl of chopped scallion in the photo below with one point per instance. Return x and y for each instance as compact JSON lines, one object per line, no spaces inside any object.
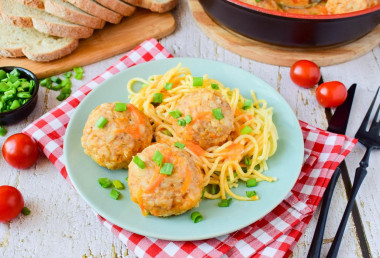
{"x":18,"y":93}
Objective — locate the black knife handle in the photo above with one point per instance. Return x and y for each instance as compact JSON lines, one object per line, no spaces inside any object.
{"x":316,"y":243}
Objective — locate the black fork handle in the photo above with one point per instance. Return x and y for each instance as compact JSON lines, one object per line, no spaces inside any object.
{"x":316,"y":243}
{"x":360,"y":174}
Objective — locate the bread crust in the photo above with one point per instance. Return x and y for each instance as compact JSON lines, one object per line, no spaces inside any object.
{"x":92,"y":7}
{"x":32,"y":3}
{"x":120,"y":7}
{"x":87,"y":20}
{"x":153,"y":5}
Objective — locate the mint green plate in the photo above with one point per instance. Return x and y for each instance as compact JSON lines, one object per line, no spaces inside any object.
{"x":285,"y":164}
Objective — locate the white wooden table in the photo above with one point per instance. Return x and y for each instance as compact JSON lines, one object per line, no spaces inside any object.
{"x":63,"y":225}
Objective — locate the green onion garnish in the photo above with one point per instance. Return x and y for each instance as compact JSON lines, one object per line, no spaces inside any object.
{"x":67,"y":75}
{"x":104,"y":182}
{"x":167,"y":169}
{"x":225,"y":202}
{"x":157,"y":98}
{"x":139,"y":162}
{"x":218,"y":114}
{"x":114,"y":194}
{"x":251,"y":182}
{"x":250,"y":193}
{"x":196,"y":216}
{"x":15,"y":73}
{"x":214,"y":86}
{"x":25,"y":211}
{"x":179,"y":145}
{"x":101,"y":122}
{"x":247,"y":161}
{"x":168,"y":86}
{"x":56,"y":79}
{"x":119,"y":107}
{"x":167,"y":132}
{"x":175,"y":113}
{"x":3,"y":74}
{"x":246,"y":130}
{"x":3,"y":131}
{"x":197,"y":81}
{"x":78,"y":73}
{"x":245,"y":169}
{"x":247,"y":104}
{"x":117,"y":184}
{"x":181,"y":122}
{"x":203,"y":193}
{"x":188,"y":119}
{"x":158,"y":158}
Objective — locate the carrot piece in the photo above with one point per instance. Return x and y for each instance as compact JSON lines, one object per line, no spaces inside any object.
{"x":195,"y":148}
{"x":187,"y":180}
{"x":134,"y":131}
{"x":155,"y":183}
{"x":233,"y":151}
{"x":137,"y":114}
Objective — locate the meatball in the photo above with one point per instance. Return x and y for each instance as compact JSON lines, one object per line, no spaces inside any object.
{"x":204,"y":129}
{"x":125,"y":134}
{"x":165,"y":195}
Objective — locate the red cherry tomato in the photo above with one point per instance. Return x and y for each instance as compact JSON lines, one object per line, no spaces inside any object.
{"x":331,"y":94}
{"x":20,"y":151}
{"x":11,"y":203}
{"x":305,"y":73}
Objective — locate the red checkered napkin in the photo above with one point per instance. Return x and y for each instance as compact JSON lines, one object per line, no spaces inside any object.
{"x":275,"y":235}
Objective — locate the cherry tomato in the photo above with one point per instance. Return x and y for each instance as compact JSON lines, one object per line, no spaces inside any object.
{"x":305,"y":73}
{"x":20,"y":151}
{"x":11,"y":203}
{"x":331,"y":94}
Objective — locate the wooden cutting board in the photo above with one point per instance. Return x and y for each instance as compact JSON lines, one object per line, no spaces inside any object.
{"x":277,"y":55}
{"x":107,"y":42}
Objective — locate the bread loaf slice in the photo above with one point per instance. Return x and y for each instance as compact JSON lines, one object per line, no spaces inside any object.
{"x":118,"y":6}
{"x":24,"y":16}
{"x":37,"y":46}
{"x":159,"y":6}
{"x":66,"y":11}
{"x":94,"y":8}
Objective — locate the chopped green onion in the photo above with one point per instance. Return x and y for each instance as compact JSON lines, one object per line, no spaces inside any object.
{"x":24,"y":95}
{"x":167,"y":169}
{"x":251,"y":182}
{"x":78,"y":73}
{"x":157,"y":98}
{"x":218,"y":114}
{"x":119,"y":107}
{"x":139,"y":162}
{"x":196,"y":217}
{"x":247,"y":104}
{"x":15,"y":104}
{"x":188,"y":119}
{"x":67,"y":75}
{"x":250,"y":193}
{"x":175,"y":113}
{"x":45,"y":82}
{"x":203,"y":193}
{"x":181,"y":122}
{"x":117,"y":184}
{"x":247,"y":161}
{"x":214,"y":86}
{"x":197,"y":81}
{"x":25,"y":211}
{"x":179,"y":145}
{"x":246,"y":130}
{"x":3,"y":74}
{"x":126,"y":179}
{"x":104,"y":182}
{"x":167,"y":132}
{"x":114,"y":194}
{"x":101,"y":122}
{"x":158,"y":158}
{"x":168,"y":86}
{"x":225,"y":202}
{"x":56,"y":79}
{"x":15,"y":73}
{"x":3,"y":131}
{"x":245,"y":169}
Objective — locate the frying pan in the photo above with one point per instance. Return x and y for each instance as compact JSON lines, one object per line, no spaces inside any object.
{"x":292,"y":30}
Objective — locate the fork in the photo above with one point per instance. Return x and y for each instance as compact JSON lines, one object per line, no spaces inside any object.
{"x":371,"y":140}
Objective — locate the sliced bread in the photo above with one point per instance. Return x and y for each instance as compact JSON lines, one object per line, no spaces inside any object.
{"x":94,"y":8}
{"x":24,"y":16}
{"x":32,"y":3}
{"x":118,"y":6}
{"x":159,"y":6}
{"x":37,"y":46}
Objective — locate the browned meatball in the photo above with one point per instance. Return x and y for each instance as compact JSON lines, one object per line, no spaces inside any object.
{"x":165,"y":195}
{"x":204,"y":129}
{"x":125,"y":134}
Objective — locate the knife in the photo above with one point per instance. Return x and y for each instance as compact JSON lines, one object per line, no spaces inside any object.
{"x":337,"y":124}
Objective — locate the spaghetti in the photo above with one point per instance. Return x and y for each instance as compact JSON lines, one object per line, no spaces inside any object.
{"x":242,"y":157}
